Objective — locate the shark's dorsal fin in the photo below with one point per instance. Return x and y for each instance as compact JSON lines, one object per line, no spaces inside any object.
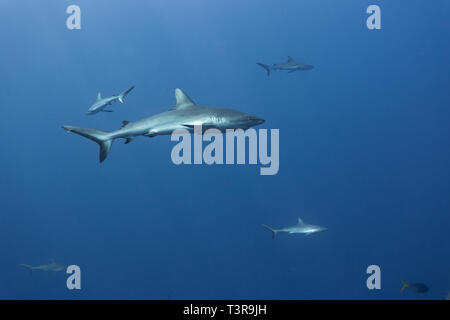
{"x":300,"y":221}
{"x":290,"y":59}
{"x":124,"y":123}
{"x":182,"y":100}
{"x":99,"y":96}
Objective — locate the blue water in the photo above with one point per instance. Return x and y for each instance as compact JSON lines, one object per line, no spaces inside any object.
{"x":364,"y":150}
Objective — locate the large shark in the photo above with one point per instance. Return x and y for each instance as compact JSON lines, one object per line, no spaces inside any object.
{"x":291,"y":65}
{"x":300,"y":227}
{"x":52,"y":266}
{"x":101,"y":103}
{"x":184,"y":115}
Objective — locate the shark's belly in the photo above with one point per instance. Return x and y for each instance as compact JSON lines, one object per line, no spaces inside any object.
{"x":166,"y":129}
{"x":96,"y":108}
{"x":168,"y":124}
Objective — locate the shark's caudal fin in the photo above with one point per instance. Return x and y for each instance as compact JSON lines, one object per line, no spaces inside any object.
{"x":404,"y":286}
{"x":265,"y":66}
{"x":274,"y":232}
{"x":28,"y":267}
{"x":99,"y":136}
{"x":124,"y":94}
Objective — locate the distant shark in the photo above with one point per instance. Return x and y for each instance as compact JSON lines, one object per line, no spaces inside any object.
{"x":300,"y":227}
{"x":101,"y":103}
{"x":291,"y":65}
{"x":52,"y":266}
{"x":416,"y":287}
{"x":184,"y":115}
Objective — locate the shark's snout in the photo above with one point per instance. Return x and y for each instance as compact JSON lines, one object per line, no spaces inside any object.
{"x":259,"y":120}
{"x":255,"y":120}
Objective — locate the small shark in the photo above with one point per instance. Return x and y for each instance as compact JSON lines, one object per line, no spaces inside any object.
{"x":52,"y":266}
{"x":101,"y":103}
{"x":416,"y":287}
{"x":300,"y":227}
{"x":184,"y":115}
{"x":290,"y":65}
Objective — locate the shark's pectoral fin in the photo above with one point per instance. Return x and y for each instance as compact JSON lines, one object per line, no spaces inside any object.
{"x":205,"y":126}
{"x":129,"y":140}
{"x":151,"y":134}
{"x":106,"y":110}
{"x":191,"y":127}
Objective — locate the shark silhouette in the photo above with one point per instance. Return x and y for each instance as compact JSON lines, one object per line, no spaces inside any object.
{"x":290,"y":65}
{"x":52,"y":266}
{"x":300,"y":227}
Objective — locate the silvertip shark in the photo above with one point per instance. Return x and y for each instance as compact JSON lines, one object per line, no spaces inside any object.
{"x":101,"y":103}
{"x":300,"y":227}
{"x":291,"y":65}
{"x":52,"y":266}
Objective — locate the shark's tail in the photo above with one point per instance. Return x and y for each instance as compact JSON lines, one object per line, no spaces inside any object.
{"x":274,"y":232}
{"x":265,"y":66}
{"x":404,"y":286}
{"x":101,"y":137}
{"x":124,"y":94}
{"x":28,"y":267}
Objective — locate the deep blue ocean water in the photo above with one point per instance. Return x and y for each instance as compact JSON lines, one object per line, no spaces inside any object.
{"x":364,"y":150}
